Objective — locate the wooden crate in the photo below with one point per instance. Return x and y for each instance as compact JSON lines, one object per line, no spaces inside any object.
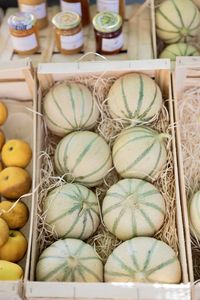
{"x":186,"y":76}
{"x":158,"y":44}
{"x":17,"y":91}
{"x":48,"y":74}
{"x":137,"y":33}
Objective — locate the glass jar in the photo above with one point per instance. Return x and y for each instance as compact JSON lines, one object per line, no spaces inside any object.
{"x":38,"y":8}
{"x":117,"y":6}
{"x":24,"y":33}
{"x":81,"y":7}
{"x":108,"y":33}
{"x":68,"y":31}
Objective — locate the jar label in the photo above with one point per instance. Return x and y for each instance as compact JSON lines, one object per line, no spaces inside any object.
{"x":70,"y":42}
{"x":108,"y":5}
{"x":111,"y":45}
{"x":39,"y":10}
{"x":25,"y":43}
{"x":75,"y":7}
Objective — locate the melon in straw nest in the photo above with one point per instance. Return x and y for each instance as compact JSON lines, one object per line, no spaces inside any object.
{"x":143,"y":259}
{"x":68,"y":107}
{"x":134,"y":98}
{"x":194,"y":214}
{"x":69,"y":260}
{"x":140,"y":152}
{"x":133,"y":207}
{"x":177,"y":20}
{"x":72,"y":211}
{"x":179,"y":49}
{"x":84,"y":157}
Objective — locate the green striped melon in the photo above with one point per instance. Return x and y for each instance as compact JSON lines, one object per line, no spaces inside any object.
{"x":134,"y":98}
{"x":133,"y":207}
{"x":140,"y":152}
{"x":72,"y":210}
{"x":84,"y":157}
{"x":69,"y":260}
{"x":68,"y":107}
{"x":179,"y":49}
{"x":176,"y":20}
{"x":143,"y":259}
{"x":194,"y":214}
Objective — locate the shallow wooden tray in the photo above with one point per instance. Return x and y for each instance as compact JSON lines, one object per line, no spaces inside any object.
{"x":16,"y":91}
{"x":137,"y":31}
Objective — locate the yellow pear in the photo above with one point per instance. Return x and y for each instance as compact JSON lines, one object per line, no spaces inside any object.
{"x":10,"y":271}
{"x":16,"y":153}
{"x":14,"y":182}
{"x":15,"y":248}
{"x":4,"y":232}
{"x":3,"y":113}
{"x":17,"y":217}
{"x":2,"y":139}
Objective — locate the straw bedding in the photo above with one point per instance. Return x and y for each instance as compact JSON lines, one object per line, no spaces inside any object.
{"x":189,"y":114}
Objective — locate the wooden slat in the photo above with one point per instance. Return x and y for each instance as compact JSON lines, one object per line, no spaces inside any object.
{"x":16,"y":80}
{"x":137,"y":31}
{"x":49,"y":73}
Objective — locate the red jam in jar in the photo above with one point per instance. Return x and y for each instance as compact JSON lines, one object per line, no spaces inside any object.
{"x":108,"y":33}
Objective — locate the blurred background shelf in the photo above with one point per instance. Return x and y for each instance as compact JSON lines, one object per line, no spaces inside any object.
{"x":138,"y":32}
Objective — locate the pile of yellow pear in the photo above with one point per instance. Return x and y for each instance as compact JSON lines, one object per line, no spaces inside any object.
{"x":15,"y":181}
{"x":13,"y":243}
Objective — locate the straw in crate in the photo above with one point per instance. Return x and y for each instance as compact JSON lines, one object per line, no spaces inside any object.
{"x":187,"y":93}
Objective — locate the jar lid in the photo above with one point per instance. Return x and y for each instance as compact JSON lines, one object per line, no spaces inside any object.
{"x":21,"y":21}
{"x":66,"y":20}
{"x":107,"y":21}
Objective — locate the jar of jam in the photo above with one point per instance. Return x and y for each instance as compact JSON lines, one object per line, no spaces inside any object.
{"x":68,"y":31}
{"x":81,"y":7}
{"x":117,"y":6}
{"x":108,"y":32}
{"x":24,"y":33}
{"x":36,"y":7}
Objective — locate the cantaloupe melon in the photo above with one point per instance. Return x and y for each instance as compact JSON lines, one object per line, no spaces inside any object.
{"x":133,"y":207}
{"x":177,"y":20}
{"x":68,"y":107}
{"x":179,"y":49}
{"x":69,"y":260}
{"x":84,"y":157}
{"x":143,"y":259}
{"x":139,"y":152}
{"x":134,"y":98}
{"x":72,"y":210}
{"x":194,"y":214}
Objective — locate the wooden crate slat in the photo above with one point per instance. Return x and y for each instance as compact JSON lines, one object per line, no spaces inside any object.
{"x":140,"y":36}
